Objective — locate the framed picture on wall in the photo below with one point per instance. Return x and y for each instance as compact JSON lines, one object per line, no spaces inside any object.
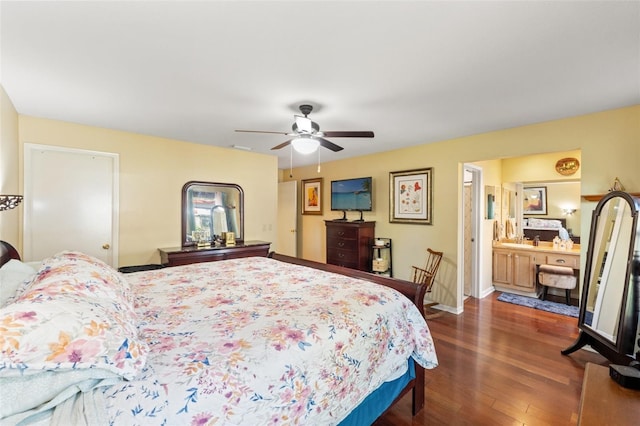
{"x":535,"y":200}
{"x":410,"y":196}
{"x":312,"y":196}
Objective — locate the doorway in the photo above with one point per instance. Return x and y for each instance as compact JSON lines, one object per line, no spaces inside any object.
{"x":287,"y":218}
{"x":506,"y":176}
{"x":470,"y":255}
{"x":71,"y":202}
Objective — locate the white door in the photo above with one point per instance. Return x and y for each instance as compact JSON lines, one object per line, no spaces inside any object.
{"x":470,"y":237}
{"x":287,"y":218}
{"x":71,"y":201}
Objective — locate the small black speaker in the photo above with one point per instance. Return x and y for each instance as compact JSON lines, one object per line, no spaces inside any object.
{"x":626,"y":376}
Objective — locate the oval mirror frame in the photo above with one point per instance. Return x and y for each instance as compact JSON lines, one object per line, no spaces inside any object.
{"x":609,"y":281}
{"x":212,"y":207}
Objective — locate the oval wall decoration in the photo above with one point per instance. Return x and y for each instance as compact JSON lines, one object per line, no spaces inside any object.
{"x":567,"y":166}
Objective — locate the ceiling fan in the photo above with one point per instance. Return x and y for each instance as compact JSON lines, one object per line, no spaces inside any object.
{"x":307,"y":135}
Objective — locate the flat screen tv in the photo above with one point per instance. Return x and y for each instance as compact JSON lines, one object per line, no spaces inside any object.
{"x":351,"y":194}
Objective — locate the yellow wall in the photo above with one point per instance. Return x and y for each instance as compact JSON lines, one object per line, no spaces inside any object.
{"x":153,"y":170}
{"x":538,"y":168}
{"x":9,"y":182}
{"x":608,"y":143}
{"x":152,"y":173}
{"x":562,"y":191}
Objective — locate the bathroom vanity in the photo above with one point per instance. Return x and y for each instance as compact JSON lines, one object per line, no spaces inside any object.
{"x":514,"y":265}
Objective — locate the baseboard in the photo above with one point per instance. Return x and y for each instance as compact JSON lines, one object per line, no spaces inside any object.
{"x":487,"y":292}
{"x":534,"y":294}
{"x":446,"y":308}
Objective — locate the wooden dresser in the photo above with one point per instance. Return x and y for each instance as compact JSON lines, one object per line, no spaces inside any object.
{"x":349,"y":243}
{"x":176,"y":256}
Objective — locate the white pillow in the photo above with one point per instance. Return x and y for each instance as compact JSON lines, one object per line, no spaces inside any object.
{"x":12,"y":274}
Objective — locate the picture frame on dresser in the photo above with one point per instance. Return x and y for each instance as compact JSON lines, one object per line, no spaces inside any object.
{"x":534,"y":200}
{"x":410,"y":196}
{"x":312,"y":196}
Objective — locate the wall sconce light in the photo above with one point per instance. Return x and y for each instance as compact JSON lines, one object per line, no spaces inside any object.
{"x":8,"y":202}
{"x":568,"y":212}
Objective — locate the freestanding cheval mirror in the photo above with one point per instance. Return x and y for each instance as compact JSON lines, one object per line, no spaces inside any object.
{"x":609,"y":307}
{"x":210,"y":209}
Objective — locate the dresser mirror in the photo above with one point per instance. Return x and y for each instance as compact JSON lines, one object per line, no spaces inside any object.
{"x":608,"y":318}
{"x":210,"y":209}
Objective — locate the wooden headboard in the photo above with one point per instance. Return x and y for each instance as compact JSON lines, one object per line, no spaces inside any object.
{"x":7,"y":252}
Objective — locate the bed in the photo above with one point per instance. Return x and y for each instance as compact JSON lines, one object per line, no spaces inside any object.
{"x":545,"y":229}
{"x":260,"y":340}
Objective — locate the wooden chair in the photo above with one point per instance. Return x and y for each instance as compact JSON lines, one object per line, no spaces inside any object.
{"x":426,"y":276}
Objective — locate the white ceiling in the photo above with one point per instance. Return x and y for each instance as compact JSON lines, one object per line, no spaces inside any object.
{"x":413,"y":72}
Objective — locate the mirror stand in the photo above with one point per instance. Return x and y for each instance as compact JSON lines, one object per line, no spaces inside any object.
{"x":610,"y":301}
{"x":585,"y":338}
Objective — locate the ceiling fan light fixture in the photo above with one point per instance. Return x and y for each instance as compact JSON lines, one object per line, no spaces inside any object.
{"x":305,"y":145}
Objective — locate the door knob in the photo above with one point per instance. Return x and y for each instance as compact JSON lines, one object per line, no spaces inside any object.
{"x":106,"y":246}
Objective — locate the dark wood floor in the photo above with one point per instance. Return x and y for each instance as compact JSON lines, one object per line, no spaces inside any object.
{"x":500,"y":364}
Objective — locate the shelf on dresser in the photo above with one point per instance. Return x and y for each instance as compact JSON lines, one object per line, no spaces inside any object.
{"x":597,"y":197}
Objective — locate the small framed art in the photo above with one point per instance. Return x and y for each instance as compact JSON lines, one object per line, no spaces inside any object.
{"x":312,"y":196}
{"x":535,"y":200}
{"x":410,"y":196}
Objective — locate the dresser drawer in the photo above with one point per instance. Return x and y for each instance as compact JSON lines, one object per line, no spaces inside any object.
{"x":343,"y":256}
{"x":346,"y":259}
{"x":342,"y":244}
{"x":563,"y":260}
{"x":342,"y":232}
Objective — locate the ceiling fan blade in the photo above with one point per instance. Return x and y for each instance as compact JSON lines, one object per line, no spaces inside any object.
{"x":329,"y":145}
{"x":348,"y":134}
{"x":282,"y":145}
{"x":261,"y":131}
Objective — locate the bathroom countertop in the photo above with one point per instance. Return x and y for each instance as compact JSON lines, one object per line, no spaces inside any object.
{"x":545,"y":247}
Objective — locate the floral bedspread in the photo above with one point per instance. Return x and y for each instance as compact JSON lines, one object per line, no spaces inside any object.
{"x":257,"y":341}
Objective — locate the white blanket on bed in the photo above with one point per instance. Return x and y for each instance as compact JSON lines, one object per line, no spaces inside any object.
{"x":73,"y":397}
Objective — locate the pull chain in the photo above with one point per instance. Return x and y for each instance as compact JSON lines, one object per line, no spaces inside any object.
{"x":291,"y":162}
{"x":318,"y":159}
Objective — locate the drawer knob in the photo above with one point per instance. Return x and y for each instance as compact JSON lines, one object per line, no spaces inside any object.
{"x":341,"y":244}
{"x":561,"y":261}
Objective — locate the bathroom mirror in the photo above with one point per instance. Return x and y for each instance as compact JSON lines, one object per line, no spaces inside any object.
{"x":608,"y":318}
{"x":508,"y":203}
{"x":209,"y":209}
{"x":490,"y":197}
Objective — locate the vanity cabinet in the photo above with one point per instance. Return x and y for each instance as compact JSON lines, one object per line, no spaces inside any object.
{"x":558,"y":259}
{"x":349,"y":244}
{"x":514,"y":269}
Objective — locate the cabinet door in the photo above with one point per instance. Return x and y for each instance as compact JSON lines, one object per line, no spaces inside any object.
{"x":502,"y":267}
{"x":523,"y":268}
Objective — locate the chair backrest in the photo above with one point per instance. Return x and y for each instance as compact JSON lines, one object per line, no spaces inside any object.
{"x":426,"y":275}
